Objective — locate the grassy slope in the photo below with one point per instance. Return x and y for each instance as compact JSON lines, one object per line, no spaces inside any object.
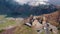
{"x":19,"y":29}
{"x":25,"y":30}
{"x":5,"y":22}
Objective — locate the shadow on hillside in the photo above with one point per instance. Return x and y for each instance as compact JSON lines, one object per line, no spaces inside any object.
{"x":15,"y":10}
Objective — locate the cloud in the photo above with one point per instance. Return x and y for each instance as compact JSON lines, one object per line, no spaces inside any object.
{"x":55,"y":2}
{"x":37,"y":2}
{"x":31,"y":2}
{"x":21,"y":1}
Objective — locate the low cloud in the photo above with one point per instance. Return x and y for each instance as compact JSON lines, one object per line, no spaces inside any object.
{"x":22,"y":1}
{"x":37,"y":2}
{"x":30,"y":2}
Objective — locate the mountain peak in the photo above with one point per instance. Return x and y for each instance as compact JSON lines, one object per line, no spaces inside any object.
{"x":38,"y":2}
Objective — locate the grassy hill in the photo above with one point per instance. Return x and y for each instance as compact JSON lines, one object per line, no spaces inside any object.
{"x":5,"y":22}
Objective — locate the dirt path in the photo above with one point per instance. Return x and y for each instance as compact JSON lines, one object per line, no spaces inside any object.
{"x":9,"y":31}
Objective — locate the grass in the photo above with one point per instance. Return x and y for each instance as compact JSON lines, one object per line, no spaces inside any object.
{"x":5,"y":22}
{"x":22,"y":29}
{"x":59,"y":31}
{"x":26,"y":30}
{"x":1,"y":30}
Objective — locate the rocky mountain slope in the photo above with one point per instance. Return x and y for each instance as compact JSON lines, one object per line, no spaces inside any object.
{"x":53,"y":18}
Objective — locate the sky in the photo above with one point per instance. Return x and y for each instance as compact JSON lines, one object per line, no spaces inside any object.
{"x":33,"y":2}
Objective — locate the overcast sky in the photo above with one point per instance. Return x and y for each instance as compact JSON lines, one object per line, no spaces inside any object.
{"x":56,"y":2}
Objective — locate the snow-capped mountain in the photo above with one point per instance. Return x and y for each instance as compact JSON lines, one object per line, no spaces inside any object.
{"x":19,"y":7}
{"x":32,"y":2}
{"x":37,"y":2}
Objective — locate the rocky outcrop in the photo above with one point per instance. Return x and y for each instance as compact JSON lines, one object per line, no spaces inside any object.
{"x":53,"y":18}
